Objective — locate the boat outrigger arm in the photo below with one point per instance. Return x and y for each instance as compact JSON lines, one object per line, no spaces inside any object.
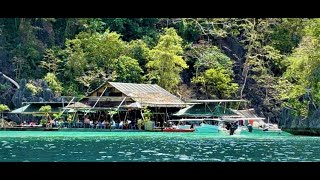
{"x":121,"y":103}
{"x":217,"y":100}
{"x":240,"y":118}
{"x":182,"y":120}
{"x":64,"y":109}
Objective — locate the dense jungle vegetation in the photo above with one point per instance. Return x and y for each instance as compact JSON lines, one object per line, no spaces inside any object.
{"x":273,"y":63}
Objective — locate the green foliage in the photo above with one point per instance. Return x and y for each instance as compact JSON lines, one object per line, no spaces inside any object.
{"x":303,"y":72}
{"x":70,"y":118}
{"x":217,"y":82}
{"x":3,"y":87}
{"x":312,"y":28}
{"x":46,"y":110}
{"x":53,"y":83}
{"x":43,"y":122}
{"x":112,"y":113}
{"x":147,"y":114}
{"x":133,"y":28}
{"x":188,"y":31}
{"x":71,"y":89}
{"x":128,"y":70}
{"x":208,"y":56}
{"x":51,"y":61}
{"x":166,"y":63}
{"x":273,"y":60}
{"x":34,"y":89}
{"x":57,"y":115}
{"x":139,"y":50}
{"x":92,"y":24}
{"x":92,"y":57}
{"x":3,"y":108}
{"x":213,"y":71}
{"x":287,"y":35}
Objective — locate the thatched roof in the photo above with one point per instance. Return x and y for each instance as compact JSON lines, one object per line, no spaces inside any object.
{"x":148,"y":94}
{"x":135,"y":105}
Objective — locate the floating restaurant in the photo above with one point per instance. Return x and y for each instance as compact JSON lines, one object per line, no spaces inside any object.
{"x":113,"y":105}
{"x":128,"y":106}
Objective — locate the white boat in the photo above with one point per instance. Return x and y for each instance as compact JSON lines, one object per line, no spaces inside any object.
{"x":208,"y":125}
{"x":182,"y":126}
{"x":264,"y":127}
{"x":207,"y":128}
{"x":270,"y":128}
{"x":182,"y":123}
{"x":216,"y":116}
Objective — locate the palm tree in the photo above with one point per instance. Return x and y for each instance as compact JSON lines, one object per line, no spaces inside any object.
{"x":46,"y":110}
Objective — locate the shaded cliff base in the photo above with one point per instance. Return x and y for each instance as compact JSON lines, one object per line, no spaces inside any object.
{"x":300,"y":126}
{"x":303,"y":131}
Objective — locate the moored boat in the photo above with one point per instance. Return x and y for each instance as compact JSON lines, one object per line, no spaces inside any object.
{"x":170,"y":129}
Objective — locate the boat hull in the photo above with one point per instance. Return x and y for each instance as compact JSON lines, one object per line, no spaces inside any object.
{"x":227,"y":132}
{"x":207,"y":128}
{"x":177,"y":130}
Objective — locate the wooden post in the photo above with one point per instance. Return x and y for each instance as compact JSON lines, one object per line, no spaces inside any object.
{"x":97,"y":100}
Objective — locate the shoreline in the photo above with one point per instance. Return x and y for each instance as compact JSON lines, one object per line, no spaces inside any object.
{"x":303,"y":131}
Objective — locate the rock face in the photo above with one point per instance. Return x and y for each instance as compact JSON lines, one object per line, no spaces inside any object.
{"x":25,"y":94}
{"x":298,"y":125}
{"x":6,"y":92}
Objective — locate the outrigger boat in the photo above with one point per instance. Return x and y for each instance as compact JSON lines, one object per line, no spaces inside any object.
{"x":179,"y":127}
{"x":207,"y":125}
{"x":168,"y":129}
{"x":217,"y":118}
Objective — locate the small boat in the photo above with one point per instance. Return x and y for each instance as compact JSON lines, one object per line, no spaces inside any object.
{"x":180,"y":127}
{"x":269,"y":127}
{"x":265,"y":127}
{"x":219,"y":125}
{"x":207,"y":128}
{"x":170,"y":129}
{"x":208,"y":125}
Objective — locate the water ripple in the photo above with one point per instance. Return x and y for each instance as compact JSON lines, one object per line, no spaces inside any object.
{"x":155,"y":147}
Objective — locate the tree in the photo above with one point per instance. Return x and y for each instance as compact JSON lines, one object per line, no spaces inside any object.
{"x":133,"y":28}
{"x":53,"y":83}
{"x":218,"y":83}
{"x":302,"y":75}
{"x":91,"y":57}
{"x":46,"y":110}
{"x":213,"y":71}
{"x":128,"y":70}
{"x":51,"y":61}
{"x":287,"y":35}
{"x":139,"y":50}
{"x":165,"y":61}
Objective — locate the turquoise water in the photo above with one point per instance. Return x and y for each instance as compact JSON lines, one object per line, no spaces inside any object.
{"x":42,"y":146}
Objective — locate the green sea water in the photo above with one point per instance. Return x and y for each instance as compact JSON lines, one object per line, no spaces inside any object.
{"x":42,"y":146}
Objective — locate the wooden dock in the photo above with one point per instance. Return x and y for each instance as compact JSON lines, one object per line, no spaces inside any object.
{"x":29,"y":129}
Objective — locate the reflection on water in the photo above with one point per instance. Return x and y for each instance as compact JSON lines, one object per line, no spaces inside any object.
{"x":155,"y":147}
